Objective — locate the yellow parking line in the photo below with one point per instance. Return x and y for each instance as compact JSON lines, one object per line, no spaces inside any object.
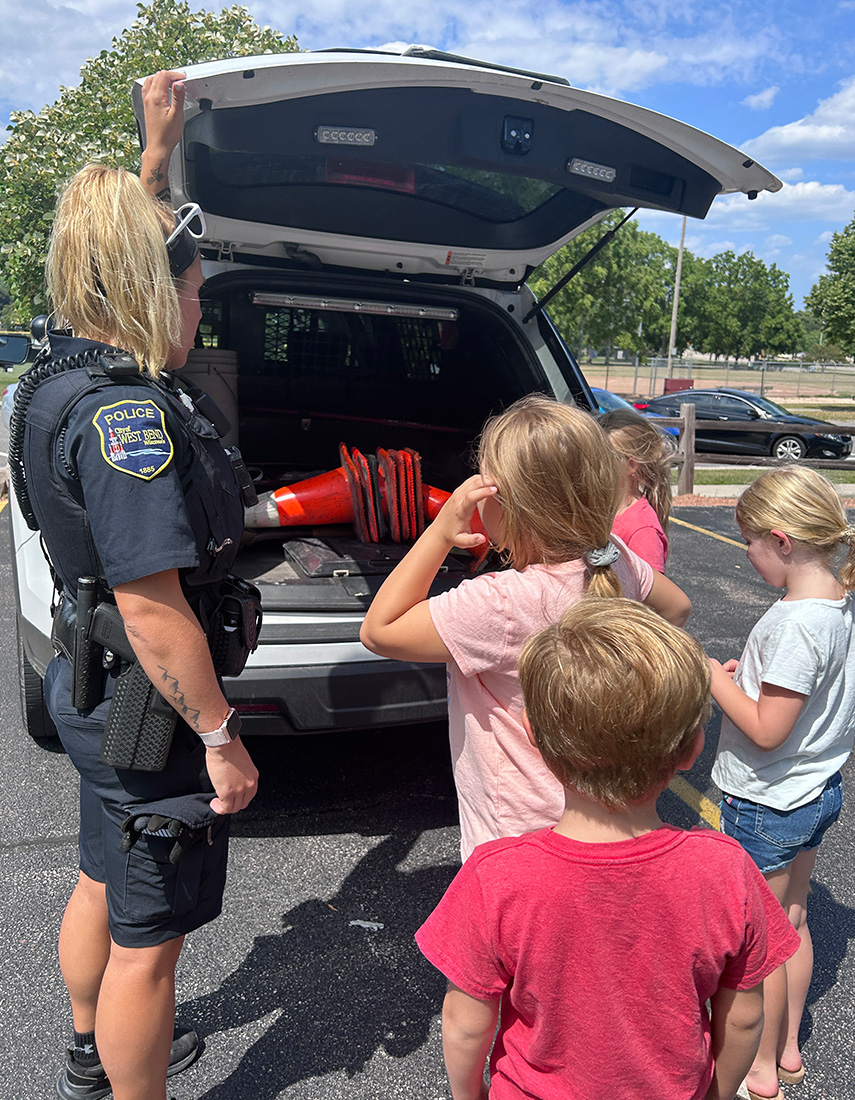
{"x":696,"y":801}
{"x":679,"y":785}
{"x":3,"y":503}
{"x":704,"y":531}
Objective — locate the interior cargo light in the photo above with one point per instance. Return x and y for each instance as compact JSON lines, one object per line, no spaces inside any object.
{"x":351,"y":305}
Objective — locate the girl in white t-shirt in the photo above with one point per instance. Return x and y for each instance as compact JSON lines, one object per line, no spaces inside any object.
{"x":789,"y":723}
{"x":642,"y":518}
{"x":547,"y":492}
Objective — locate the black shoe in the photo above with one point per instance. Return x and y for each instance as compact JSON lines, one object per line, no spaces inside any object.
{"x":78,"y":1082}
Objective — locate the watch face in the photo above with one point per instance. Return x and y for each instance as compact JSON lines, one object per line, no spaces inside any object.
{"x":233,"y":724}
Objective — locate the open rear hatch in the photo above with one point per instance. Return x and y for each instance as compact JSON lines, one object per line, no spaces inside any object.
{"x":361,"y":189}
{"x":424,"y":164}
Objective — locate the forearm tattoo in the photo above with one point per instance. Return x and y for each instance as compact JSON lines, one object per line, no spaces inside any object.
{"x":157,"y":175}
{"x":171,"y":691}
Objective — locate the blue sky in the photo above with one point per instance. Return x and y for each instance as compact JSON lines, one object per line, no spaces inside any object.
{"x":773,"y":77}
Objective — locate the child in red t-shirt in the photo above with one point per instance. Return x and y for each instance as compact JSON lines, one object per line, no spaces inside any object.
{"x":642,"y":519}
{"x":598,"y":943}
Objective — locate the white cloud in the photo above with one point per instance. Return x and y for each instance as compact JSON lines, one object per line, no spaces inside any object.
{"x":771,"y":219}
{"x":51,"y":43}
{"x":790,"y":175}
{"x":608,"y":46}
{"x":825,"y":237}
{"x":710,"y":248}
{"x":760,"y":101}
{"x":777,"y":240}
{"x":808,"y":201}
{"x":827,"y":133}
{"x":809,"y":265}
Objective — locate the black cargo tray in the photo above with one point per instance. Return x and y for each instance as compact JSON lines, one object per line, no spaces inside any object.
{"x":345,"y":557}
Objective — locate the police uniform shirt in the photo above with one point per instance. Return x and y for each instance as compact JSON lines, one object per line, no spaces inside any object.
{"x":121,"y":449}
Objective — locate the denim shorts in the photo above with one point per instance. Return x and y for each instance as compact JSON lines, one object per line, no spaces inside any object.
{"x":773,"y":838}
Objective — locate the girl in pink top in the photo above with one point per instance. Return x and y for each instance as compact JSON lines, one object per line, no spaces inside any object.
{"x":547,"y":492}
{"x":642,"y":518}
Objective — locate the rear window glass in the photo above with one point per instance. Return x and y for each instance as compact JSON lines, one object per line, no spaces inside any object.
{"x":490,"y":195}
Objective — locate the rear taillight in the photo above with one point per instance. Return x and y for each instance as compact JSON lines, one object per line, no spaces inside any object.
{"x":640,"y":405}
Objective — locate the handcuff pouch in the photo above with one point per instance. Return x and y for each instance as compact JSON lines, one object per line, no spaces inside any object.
{"x":234,"y":626}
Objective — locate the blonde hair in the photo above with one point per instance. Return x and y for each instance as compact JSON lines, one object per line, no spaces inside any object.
{"x":804,"y":505}
{"x":107,"y":268}
{"x":615,"y":696}
{"x":560,"y":485}
{"x":636,"y":438}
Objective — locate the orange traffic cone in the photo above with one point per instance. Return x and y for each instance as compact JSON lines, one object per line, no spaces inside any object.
{"x":434,"y":500}
{"x":312,"y":503}
{"x":335,"y":497}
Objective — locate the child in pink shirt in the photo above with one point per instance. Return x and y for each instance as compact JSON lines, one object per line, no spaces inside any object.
{"x":596,"y":945}
{"x":642,"y":518}
{"x":547,"y":493}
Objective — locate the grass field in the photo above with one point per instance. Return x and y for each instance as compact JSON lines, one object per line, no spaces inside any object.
{"x":830,"y":385}
{"x":743,"y":475}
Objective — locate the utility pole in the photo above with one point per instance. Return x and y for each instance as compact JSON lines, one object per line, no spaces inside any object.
{"x":673,"y":334}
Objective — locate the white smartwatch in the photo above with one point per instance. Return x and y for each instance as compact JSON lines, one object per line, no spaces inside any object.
{"x":225,"y":733}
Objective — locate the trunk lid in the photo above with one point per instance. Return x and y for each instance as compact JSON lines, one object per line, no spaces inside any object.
{"x":423,"y":164}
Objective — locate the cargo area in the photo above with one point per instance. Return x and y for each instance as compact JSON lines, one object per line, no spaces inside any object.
{"x":299,"y":380}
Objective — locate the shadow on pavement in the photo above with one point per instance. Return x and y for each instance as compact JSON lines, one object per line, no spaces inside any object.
{"x":364,"y":781}
{"x":335,"y":982}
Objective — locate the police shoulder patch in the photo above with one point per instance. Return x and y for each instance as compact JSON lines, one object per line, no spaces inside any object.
{"x":134,"y":438}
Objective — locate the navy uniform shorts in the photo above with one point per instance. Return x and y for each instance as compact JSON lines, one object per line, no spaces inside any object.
{"x":149,"y":899}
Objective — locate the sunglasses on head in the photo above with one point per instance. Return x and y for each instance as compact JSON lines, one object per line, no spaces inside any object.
{"x":191,"y":218}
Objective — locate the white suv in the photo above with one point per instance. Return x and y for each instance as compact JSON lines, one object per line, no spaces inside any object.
{"x":371,"y":221}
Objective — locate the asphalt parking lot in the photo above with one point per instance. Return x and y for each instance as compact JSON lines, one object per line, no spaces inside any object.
{"x":310,"y":985}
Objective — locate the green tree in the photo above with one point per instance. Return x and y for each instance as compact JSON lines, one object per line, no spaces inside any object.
{"x":622,"y":298}
{"x":811,"y":329}
{"x":95,"y":121}
{"x":734,"y":307}
{"x":729,"y":305}
{"x":825,"y":353}
{"x":745,"y":309}
{"x":832,"y":299}
{"x":782,"y":331}
{"x":693,"y":311}
{"x":5,"y":307}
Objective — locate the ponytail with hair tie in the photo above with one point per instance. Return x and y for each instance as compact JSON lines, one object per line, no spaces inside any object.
{"x":602,"y":556}
{"x":603,"y":579}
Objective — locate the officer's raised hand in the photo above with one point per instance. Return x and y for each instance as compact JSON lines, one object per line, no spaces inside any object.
{"x":163,"y":107}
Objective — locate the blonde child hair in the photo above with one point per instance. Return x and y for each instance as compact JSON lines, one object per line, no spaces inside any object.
{"x":804,"y":505}
{"x":615,"y":696}
{"x":636,"y":439}
{"x":107,"y":268}
{"x":560,"y":484}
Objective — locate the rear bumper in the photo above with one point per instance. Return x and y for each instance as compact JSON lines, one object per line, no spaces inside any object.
{"x":324,"y":698}
{"x":316,"y":698}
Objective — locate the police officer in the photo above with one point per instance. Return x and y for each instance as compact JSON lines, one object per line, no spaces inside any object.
{"x":130,"y":485}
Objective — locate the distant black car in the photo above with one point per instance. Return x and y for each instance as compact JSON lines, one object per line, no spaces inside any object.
{"x":733,"y":406}
{"x":612,"y":402}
